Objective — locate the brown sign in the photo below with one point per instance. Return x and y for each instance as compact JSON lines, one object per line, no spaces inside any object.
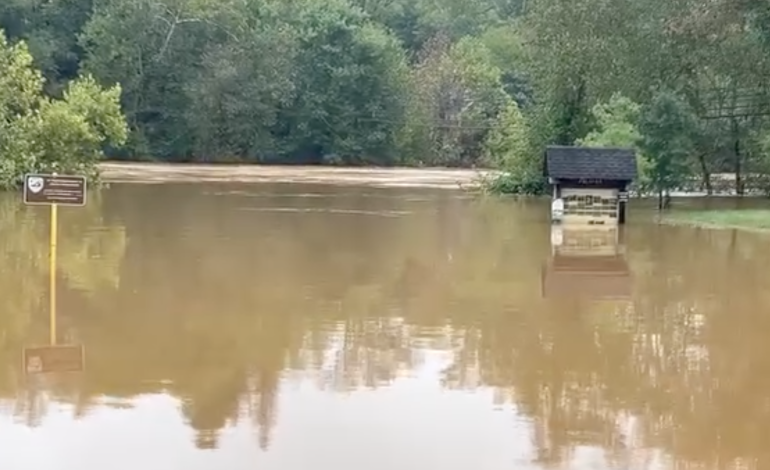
{"x":46,"y":359}
{"x":55,"y":189}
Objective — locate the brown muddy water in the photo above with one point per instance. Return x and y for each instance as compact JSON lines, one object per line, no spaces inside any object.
{"x":290,"y":327}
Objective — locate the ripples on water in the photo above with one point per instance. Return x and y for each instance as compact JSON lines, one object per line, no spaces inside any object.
{"x":285,"y":327}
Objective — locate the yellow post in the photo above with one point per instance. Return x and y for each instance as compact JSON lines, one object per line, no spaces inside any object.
{"x":52,"y":270}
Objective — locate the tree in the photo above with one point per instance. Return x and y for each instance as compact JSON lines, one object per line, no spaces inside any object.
{"x":38,"y":133}
{"x":457,"y":94}
{"x":399,"y":81}
{"x":509,"y":147}
{"x":667,"y":127}
{"x":616,"y":125}
{"x":151,"y":49}
{"x":575,"y":60}
{"x":349,"y":78}
{"x":50,"y":30}
{"x":237,"y":90}
{"x":508,"y":144}
{"x":508,"y":52}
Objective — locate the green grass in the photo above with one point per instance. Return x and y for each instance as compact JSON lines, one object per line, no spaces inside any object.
{"x":747,"y":219}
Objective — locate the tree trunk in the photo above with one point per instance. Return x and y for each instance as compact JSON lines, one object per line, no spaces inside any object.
{"x":739,"y":189}
{"x":737,"y":157}
{"x":705,"y":174}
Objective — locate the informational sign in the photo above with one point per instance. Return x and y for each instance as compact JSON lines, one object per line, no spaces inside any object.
{"x":47,"y":359}
{"x":53,"y":191}
{"x":65,"y":190}
{"x":623,"y":196}
{"x":591,"y":181}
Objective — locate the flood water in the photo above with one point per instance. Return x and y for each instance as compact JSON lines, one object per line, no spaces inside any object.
{"x":297,"y":327}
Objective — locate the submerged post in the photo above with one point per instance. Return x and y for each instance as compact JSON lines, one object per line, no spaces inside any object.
{"x":52,"y":246}
{"x":54,"y":190}
{"x":622,"y":201}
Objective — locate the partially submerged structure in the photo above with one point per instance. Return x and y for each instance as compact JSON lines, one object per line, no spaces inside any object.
{"x":590,"y":183}
{"x":587,"y":262}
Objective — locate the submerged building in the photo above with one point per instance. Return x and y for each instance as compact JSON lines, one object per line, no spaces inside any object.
{"x":590,"y":184}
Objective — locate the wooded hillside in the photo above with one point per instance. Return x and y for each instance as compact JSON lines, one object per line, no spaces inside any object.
{"x":420,"y":82}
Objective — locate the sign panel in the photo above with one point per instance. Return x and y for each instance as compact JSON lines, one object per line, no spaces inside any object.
{"x":46,"y":359}
{"x":590,"y":181}
{"x":55,"y":189}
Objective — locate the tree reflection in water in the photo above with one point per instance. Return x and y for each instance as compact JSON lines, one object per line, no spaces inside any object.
{"x":219,"y":300}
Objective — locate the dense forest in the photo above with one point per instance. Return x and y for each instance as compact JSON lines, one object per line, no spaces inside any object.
{"x":400,"y":82}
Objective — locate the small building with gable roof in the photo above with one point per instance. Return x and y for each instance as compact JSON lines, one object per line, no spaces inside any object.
{"x":591,"y":182}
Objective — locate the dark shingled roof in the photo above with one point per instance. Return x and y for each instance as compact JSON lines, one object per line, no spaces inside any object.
{"x":590,"y":163}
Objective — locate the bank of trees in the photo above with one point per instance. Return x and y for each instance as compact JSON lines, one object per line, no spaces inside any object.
{"x":40,"y":133}
{"x":417,"y":82}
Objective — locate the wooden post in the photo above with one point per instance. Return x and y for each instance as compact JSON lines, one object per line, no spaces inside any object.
{"x":621,"y":212}
{"x":622,"y":200}
{"x":52,"y":247}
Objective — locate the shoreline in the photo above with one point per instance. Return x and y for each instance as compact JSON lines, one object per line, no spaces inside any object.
{"x":383,"y":177}
{"x":750,"y":220}
{"x":149,"y":173}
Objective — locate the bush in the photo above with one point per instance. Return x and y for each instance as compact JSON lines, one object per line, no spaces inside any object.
{"x":40,"y":134}
{"x":510,"y":183}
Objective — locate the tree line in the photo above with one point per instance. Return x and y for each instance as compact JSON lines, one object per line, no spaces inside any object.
{"x":402,"y":82}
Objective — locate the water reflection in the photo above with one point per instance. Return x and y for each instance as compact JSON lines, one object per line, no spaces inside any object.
{"x":587,"y":262}
{"x":263,"y":326}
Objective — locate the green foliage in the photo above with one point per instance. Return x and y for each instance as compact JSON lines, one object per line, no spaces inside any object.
{"x":457,"y":94}
{"x":38,"y":133}
{"x":508,"y":144}
{"x":668,"y":128}
{"x":398,"y":82}
{"x":508,"y":53}
{"x":50,"y":30}
{"x":616,"y":125}
{"x":509,"y":147}
{"x":746,"y":219}
{"x":514,"y":183}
